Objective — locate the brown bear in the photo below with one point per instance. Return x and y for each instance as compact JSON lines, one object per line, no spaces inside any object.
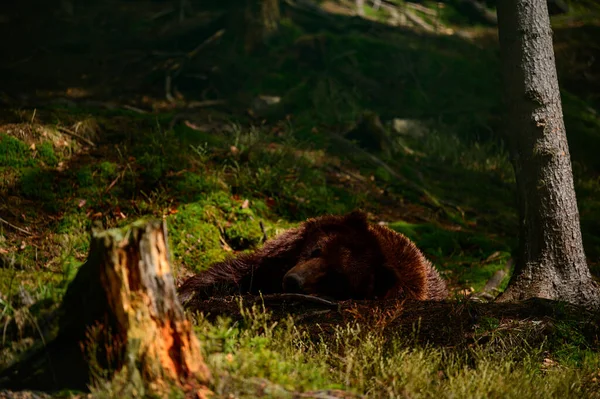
{"x":341,"y":257}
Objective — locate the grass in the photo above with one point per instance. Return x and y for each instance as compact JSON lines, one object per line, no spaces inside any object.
{"x":256,"y":353}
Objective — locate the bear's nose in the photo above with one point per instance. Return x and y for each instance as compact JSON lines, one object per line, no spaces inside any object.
{"x":293,"y":283}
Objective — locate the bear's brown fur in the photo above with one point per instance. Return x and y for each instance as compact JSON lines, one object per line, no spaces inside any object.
{"x":341,"y":257}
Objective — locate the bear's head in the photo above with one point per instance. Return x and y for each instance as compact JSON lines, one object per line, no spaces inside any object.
{"x":341,"y":258}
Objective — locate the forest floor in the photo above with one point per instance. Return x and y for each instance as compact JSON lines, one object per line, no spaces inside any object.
{"x":116,"y":112}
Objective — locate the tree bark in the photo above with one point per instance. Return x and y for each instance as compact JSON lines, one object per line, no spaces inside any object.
{"x":120,"y":320}
{"x":551,"y":262}
{"x":259,"y":23}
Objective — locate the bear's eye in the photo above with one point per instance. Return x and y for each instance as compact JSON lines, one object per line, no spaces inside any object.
{"x":315,"y":253}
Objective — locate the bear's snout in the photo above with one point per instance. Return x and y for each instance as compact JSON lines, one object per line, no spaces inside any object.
{"x":293,"y":283}
{"x":305,"y":277}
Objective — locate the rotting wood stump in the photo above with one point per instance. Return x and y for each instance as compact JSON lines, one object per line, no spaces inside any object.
{"x":120,"y":318}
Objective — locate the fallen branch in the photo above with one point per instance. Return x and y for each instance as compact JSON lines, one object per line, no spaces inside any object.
{"x":479,"y":7}
{"x":494,"y":282}
{"x":262,"y":228}
{"x":301,"y":297}
{"x":421,"y":8}
{"x":135,"y":109}
{"x":77,"y":136}
{"x":415,"y":19}
{"x":15,"y":227}
{"x":205,"y":103}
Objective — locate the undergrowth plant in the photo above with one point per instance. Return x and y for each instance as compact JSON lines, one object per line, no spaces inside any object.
{"x":513,"y":363}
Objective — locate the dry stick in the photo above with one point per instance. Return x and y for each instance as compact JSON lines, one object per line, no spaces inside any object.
{"x":494,"y":282}
{"x":162,"y":13}
{"x":205,"y":103}
{"x":262,"y":228}
{"x":410,"y":15}
{"x":15,"y":227}
{"x":196,"y":50}
{"x":418,"y":20}
{"x":173,"y":73}
{"x":73,"y":134}
{"x":421,"y":8}
{"x":302,"y":297}
{"x":168,"y":94}
{"x":134,"y":109}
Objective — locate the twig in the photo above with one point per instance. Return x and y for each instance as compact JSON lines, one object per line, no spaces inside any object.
{"x":302,"y":297}
{"x":262,"y":228}
{"x":15,"y":227}
{"x":112,"y":184}
{"x":483,"y":11}
{"x":135,"y":109}
{"x":206,"y":103}
{"x":168,"y":94}
{"x":195,"y":51}
{"x":162,"y":13}
{"x":494,"y":282}
{"x":73,"y":134}
{"x":415,"y":19}
{"x":421,"y":8}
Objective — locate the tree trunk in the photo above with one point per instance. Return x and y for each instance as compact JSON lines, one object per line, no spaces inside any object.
{"x":120,"y":320}
{"x":253,"y":22}
{"x":261,"y":21}
{"x":551,"y":262}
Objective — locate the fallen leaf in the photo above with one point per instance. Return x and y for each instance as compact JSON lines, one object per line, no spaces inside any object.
{"x":81,"y":203}
{"x":245,"y":204}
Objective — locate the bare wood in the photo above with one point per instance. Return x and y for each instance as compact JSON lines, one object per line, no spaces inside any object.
{"x":420,"y":22}
{"x":421,"y":8}
{"x":301,"y":297}
{"x":15,"y":227}
{"x":77,"y":136}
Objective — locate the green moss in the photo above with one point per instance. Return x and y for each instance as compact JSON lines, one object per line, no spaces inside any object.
{"x":14,"y":153}
{"x":244,"y":233}
{"x":108,"y":170}
{"x":195,"y":242}
{"x":84,"y":177}
{"x":37,"y":184}
{"x":46,"y":154}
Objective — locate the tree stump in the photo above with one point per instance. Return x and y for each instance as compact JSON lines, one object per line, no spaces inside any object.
{"x":120,"y":318}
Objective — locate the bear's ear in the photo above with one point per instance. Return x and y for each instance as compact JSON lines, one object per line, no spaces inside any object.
{"x":357,"y":219}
